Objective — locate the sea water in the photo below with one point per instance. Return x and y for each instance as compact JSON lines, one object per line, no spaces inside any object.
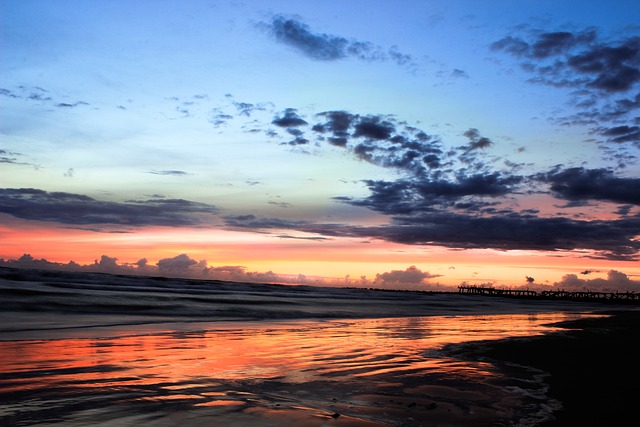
{"x":90,"y":349}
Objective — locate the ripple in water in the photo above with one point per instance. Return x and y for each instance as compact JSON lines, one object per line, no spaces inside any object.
{"x":373,"y":372}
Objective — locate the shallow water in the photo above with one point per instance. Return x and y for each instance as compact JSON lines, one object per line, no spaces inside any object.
{"x":355,"y":372}
{"x":88,"y":349}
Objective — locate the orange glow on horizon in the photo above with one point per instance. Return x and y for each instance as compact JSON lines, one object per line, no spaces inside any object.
{"x":333,"y":259}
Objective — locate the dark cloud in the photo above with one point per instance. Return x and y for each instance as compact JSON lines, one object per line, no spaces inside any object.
{"x":620,"y":134}
{"x":219,"y":118}
{"x":611,"y":239}
{"x":424,"y":194}
{"x":610,"y":68}
{"x":381,"y":140}
{"x":463,"y":212}
{"x":462,"y":209}
{"x":459,"y":74}
{"x":251,"y":115}
{"x":456,"y":198}
{"x":614,"y":239}
{"x":315,"y":238}
{"x":39,"y":95}
{"x":556,"y":43}
{"x":246,"y":108}
{"x":395,"y":197}
{"x":476,"y":141}
{"x":8,"y":93}
{"x":168,"y":172}
{"x":578,"y":59}
{"x":317,"y":46}
{"x":624,"y":210}
{"x":337,"y":141}
{"x":337,"y":122}
{"x":602,"y":74}
{"x":77,"y":209}
{"x":580,"y":184}
{"x":289,"y":119}
{"x":21,"y":92}
{"x":328,"y":47}
{"x":11,"y":157}
{"x":298,"y":140}
{"x":254,"y":222}
{"x":280,"y":204}
{"x":373,"y":127}
{"x":67,"y":105}
{"x":625,"y":105}
{"x":494,"y":184}
{"x":4,"y":157}
{"x":400,"y":58}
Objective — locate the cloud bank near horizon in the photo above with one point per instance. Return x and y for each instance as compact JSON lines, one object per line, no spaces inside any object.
{"x":412,"y":278}
{"x":183,"y":266}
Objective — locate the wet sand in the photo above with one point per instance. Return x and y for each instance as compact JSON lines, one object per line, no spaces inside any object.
{"x":592,"y":371}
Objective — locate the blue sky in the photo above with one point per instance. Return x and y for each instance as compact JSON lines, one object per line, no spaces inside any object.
{"x":446,"y":130}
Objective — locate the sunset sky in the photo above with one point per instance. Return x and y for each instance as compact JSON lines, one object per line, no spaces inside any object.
{"x":416,"y":143}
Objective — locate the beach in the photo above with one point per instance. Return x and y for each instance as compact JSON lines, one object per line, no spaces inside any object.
{"x":92,"y":349}
{"x":591,"y":368}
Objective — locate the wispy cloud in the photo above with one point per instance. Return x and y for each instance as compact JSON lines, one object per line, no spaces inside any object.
{"x":11,"y":157}
{"x":169,"y":172}
{"x":39,"y":95}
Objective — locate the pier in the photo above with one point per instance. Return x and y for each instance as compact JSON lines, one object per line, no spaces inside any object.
{"x":622,"y":297}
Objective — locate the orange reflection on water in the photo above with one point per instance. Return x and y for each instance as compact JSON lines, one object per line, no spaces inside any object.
{"x":294,"y":352}
{"x":302,"y":371}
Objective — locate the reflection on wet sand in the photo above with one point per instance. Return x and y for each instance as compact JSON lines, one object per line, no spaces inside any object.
{"x":370,"y":372}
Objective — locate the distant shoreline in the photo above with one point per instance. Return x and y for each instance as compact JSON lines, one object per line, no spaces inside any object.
{"x":610,"y":297}
{"x":604,"y":298}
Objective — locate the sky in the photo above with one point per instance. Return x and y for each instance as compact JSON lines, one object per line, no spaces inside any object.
{"x":402,"y":144}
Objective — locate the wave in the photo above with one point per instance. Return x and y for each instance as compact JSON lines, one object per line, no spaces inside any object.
{"x":93,"y":299}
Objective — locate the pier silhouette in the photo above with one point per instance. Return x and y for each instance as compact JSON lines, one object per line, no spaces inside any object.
{"x":615,"y":297}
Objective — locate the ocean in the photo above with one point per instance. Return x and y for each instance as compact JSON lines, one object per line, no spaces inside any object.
{"x":91,"y":349}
